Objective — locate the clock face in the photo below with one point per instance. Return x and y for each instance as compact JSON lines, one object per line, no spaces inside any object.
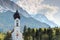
{"x":17,"y":34}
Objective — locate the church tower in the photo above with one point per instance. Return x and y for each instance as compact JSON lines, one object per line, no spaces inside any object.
{"x":16,"y":34}
{"x":17,"y":19}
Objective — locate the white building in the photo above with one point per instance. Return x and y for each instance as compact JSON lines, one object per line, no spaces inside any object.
{"x":16,"y":34}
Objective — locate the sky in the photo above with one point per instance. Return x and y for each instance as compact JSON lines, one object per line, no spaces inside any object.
{"x":51,"y":8}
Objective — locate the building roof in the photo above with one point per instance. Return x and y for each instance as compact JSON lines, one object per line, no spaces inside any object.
{"x":16,"y":15}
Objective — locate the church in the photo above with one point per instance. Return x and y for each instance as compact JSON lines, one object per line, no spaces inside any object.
{"x":16,"y":34}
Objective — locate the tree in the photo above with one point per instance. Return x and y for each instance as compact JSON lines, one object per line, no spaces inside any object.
{"x":45,"y":31}
{"x":33,"y":34}
{"x":57,"y":31}
{"x":50,"y":32}
{"x":29,"y":34}
{"x":37,"y":35}
{"x":25,"y":29}
{"x":40,"y":33}
{"x":8,"y":36}
{"x":25,"y":32}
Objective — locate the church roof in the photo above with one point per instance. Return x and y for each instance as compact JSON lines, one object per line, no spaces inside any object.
{"x":16,"y":15}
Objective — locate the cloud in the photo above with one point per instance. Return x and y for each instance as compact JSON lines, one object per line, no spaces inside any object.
{"x":14,"y":0}
{"x":57,"y":18}
{"x":2,"y":9}
{"x":51,"y":11}
{"x":33,"y":6}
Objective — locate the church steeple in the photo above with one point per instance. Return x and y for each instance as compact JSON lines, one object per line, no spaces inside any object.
{"x":16,"y":15}
{"x":17,"y":19}
{"x":16,"y":34}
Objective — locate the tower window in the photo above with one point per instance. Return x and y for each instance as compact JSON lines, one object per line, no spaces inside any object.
{"x":17,"y":21}
{"x":17,"y":24}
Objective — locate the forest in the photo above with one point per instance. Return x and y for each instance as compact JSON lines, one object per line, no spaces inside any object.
{"x":35,"y":34}
{"x":41,"y":33}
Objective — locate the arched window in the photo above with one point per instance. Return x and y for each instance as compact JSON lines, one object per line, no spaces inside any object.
{"x":17,"y":24}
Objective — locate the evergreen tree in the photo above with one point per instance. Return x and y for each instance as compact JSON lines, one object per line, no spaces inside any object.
{"x":37,"y":35}
{"x":29,"y":34}
{"x":33,"y":34}
{"x":25,"y":29}
{"x":25,"y":32}
{"x":57,"y":31}
{"x":40,"y":33}
{"x":49,"y":32}
{"x":45,"y":31}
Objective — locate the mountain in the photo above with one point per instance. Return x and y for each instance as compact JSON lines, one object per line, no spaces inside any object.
{"x":7,"y":20}
{"x":43,"y":18}
{"x":10,"y":5}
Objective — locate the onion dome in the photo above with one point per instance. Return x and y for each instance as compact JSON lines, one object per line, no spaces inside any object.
{"x":16,"y":15}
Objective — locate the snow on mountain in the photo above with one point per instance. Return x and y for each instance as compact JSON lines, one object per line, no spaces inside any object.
{"x":43,"y":18}
{"x":37,"y":21}
{"x":9,"y":5}
{"x":7,"y":19}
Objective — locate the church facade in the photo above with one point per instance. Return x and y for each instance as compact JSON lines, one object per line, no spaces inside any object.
{"x":16,"y":34}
